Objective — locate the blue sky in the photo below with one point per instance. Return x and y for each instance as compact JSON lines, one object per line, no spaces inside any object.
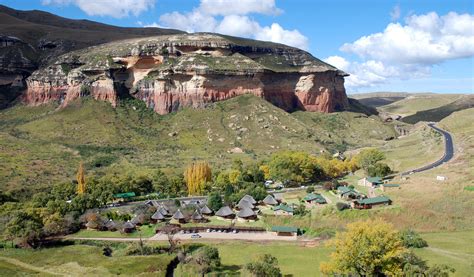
{"x":415,"y":46}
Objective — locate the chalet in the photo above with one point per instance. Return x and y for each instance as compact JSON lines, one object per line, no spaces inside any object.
{"x":206,"y":211}
{"x":157,"y":216}
{"x":179,"y":216}
{"x":225,"y":213}
{"x":246,"y":214}
{"x":197,"y":216}
{"x":137,"y":220}
{"x":245,"y":204}
{"x":128,"y":227}
{"x":370,"y":182}
{"x":164,"y":211}
{"x":383,"y":187}
{"x":283,"y":209}
{"x":314,"y":198}
{"x":368,"y":203}
{"x":270,"y":200}
{"x":285,"y":231}
{"x":347,"y":193}
{"x":111,"y":225}
{"x":249,"y":199}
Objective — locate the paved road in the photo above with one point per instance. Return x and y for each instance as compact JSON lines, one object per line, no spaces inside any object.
{"x":448,"y":152}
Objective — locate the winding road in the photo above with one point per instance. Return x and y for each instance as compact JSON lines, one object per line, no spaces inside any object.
{"x":448,"y":152}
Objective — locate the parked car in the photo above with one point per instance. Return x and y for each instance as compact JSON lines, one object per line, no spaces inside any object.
{"x":196,"y":236}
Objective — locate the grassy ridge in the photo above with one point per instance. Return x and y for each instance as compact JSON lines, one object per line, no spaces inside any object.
{"x":42,"y":145}
{"x":438,"y":113}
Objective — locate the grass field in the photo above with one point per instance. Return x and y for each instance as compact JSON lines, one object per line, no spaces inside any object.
{"x":146,"y":231}
{"x":76,"y":260}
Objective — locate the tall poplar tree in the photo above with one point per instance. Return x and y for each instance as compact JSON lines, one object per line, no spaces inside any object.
{"x":81,"y":180}
{"x":196,"y":176}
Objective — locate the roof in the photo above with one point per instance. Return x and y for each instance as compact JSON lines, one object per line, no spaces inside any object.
{"x":163,"y":211}
{"x":374,"y":200}
{"x":376,"y":180}
{"x":283,"y":207}
{"x":196,"y":215}
{"x":128,"y":225}
{"x":178,"y":215}
{"x":124,"y":195}
{"x":110,"y":224}
{"x":249,"y":199}
{"x":157,"y":215}
{"x":314,"y":197}
{"x":135,"y":219}
{"x":245,"y":204}
{"x":343,"y":189}
{"x":270,"y":200}
{"x":246,"y":212}
{"x":391,"y":185}
{"x":285,"y":229}
{"x":206,"y":210}
{"x":224,"y":211}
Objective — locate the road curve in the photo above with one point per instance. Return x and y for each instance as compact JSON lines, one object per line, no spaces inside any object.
{"x":448,"y":152}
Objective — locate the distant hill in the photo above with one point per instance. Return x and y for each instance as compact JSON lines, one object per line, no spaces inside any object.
{"x":437,"y":114}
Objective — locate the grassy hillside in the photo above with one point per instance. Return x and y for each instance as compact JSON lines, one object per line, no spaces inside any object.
{"x":417,"y":103}
{"x":42,"y":145}
{"x":438,"y":113}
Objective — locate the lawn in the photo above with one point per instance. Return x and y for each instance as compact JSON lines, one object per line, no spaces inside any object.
{"x":146,"y":231}
{"x":84,"y":260}
{"x":455,"y":249}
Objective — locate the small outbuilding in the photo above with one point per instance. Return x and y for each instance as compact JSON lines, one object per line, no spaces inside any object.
{"x":197,"y":216}
{"x":206,"y":211}
{"x":179,"y":216}
{"x":368,"y":203}
{"x":283,"y":209}
{"x":245,"y":204}
{"x":370,"y":182}
{"x":383,"y":187}
{"x":285,"y":231}
{"x":347,"y":193}
{"x":314,"y":198}
{"x":157,"y":216}
{"x":225,"y":213}
{"x":111,"y":225}
{"x":246,"y":214}
{"x":270,"y":200}
{"x":249,"y":199}
{"x":128,"y":227}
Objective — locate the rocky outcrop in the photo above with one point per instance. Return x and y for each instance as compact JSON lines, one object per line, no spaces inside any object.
{"x":173,"y":72}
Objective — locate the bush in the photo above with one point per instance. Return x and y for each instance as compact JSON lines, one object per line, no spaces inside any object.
{"x":310,"y":189}
{"x":342,"y":206}
{"x":379,"y":170}
{"x":329,"y":186}
{"x":412,"y":239}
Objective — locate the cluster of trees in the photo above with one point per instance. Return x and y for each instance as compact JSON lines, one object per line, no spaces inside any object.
{"x":371,"y":161}
{"x":375,"y":248}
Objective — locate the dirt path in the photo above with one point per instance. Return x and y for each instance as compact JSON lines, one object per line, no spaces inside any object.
{"x":29,"y":266}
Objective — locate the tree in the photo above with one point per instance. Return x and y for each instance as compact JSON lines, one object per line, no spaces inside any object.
{"x":369,"y":157}
{"x":207,"y":258}
{"x":25,"y":228}
{"x":81,"y":180}
{"x":412,"y":239}
{"x":300,"y":210}
{"x":368,"y":248}
{"x":379,"y":169}
{"x":214,"y":201}
{"x":265,"y":266}
{"x":196,"y":176}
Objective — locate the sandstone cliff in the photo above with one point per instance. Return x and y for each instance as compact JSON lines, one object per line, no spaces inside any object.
{"x":190,"y":70}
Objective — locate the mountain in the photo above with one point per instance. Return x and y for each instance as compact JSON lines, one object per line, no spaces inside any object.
{"x":172,"y":72}
{"x":30,"y":39}
{"x":439,"y":113}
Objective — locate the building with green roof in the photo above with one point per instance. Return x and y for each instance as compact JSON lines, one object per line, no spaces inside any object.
{"x":285,"y":231}
{"x":314,"y":198}
{"x":370,"y":181}
{"x":368,"y":203}
{"x":283,"y":209}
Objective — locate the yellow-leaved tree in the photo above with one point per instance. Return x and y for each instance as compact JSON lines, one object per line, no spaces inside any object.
{"x":196,"y":175}
{"x":367,"y":248}
{"x":81,"y":179}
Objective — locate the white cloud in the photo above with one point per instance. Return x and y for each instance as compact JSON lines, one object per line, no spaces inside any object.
{"x":112,"y":8}
{"x":395,"y":13}
{"x":230,"y":18}
{"x":407,"y":51}
{"x":240,"y":7}
{"x":425,"y":39}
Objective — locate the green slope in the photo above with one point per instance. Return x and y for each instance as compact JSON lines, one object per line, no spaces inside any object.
{"x":43,"y":145}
